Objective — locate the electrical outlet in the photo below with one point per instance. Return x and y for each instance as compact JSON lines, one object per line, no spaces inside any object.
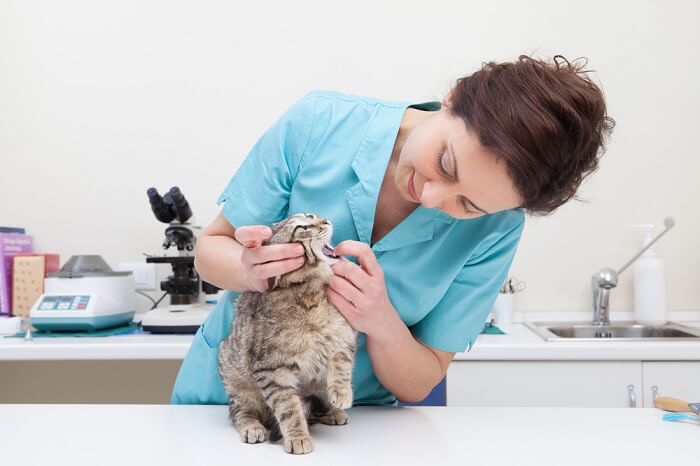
{"x":144,"y":274}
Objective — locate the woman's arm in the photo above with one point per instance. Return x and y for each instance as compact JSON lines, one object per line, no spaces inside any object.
{"x":407,"y":367}
{"x":217,"y":256}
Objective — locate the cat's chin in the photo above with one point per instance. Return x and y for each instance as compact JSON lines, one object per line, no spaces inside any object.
{"x":329,"y":260}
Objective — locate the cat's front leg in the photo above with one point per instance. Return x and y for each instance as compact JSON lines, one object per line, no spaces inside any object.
{"x":251,"y":430}
{"x":339,"y":380}
{"x":322,"y":411}
{"x":279,"y":389}
{"x":334,"y":417}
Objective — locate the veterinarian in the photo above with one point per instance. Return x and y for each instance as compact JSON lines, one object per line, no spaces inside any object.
{"x":428,"y":203}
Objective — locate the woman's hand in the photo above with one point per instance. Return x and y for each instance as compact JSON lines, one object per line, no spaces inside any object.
{"x":263,"y":262}
{"x":359,"y":291}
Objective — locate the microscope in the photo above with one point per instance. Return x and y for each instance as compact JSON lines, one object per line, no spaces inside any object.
{"x":186,"y":312}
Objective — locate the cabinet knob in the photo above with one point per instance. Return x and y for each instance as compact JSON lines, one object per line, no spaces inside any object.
{"x":654,"y":391}
{"x":632,"y":397}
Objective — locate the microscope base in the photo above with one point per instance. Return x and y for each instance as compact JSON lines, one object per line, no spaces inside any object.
{"x":185,"y":319}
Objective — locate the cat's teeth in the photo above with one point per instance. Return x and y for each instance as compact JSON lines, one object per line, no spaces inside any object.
{"x":329,"y":251}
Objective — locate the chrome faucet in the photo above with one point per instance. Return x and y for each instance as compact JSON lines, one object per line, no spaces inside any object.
{"x":606,"y":279}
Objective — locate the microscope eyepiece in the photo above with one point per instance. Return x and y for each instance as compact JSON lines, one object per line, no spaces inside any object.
{"x":169,"y":207}
{"x":153,"y":195}
{"x":184,"y":212}
{"x":162,"y":209}
{"x":176,"y":194}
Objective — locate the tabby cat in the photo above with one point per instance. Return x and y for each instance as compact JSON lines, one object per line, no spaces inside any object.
{"x":288,"y":359}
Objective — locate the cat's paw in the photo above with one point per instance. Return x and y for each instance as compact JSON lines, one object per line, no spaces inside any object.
{"x":340,"y":396}
{"x":299,"y":445}
{"x":334,"y":417}
{"x":253,"y":433}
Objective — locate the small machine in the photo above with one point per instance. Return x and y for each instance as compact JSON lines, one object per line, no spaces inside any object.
{"x":186,"y":312}
{"x":85,"y":295}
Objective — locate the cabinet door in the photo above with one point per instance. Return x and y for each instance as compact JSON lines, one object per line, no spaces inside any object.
{"x":679,"y":379}
{"x":614,"y":384}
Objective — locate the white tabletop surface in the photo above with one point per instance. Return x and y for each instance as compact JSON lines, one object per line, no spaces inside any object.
{"x":202,"y":435}
{"x":520,"y":343}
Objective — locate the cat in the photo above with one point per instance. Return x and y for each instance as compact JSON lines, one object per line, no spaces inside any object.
{"x":287,"y":362}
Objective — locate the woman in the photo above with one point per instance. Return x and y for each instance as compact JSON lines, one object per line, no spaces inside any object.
{"x":428,"y":201}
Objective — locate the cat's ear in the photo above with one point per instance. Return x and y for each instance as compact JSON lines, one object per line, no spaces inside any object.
{"x":273,"y":282}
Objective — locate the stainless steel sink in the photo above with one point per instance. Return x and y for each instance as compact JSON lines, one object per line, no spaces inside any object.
{"x":615,"y":331}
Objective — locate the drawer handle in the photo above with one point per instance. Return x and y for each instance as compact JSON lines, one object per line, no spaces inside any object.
{"x":633,"y":399}
{"x":655,"y":391}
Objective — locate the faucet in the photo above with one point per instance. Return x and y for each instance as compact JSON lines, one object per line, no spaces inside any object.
{"x":606,"y":279}
{"x":602,"y":282}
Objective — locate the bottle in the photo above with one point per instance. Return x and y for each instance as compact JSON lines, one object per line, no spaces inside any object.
{"x":503,"y":310}
{"x":650,"y":307}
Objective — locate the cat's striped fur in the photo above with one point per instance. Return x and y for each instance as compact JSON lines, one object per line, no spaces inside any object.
{"x":288,"y":360}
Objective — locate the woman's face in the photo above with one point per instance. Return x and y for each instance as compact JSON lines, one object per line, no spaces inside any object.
{"x":448,"y":169}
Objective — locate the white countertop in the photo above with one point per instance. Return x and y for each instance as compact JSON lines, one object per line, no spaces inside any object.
{"x":135,"y":346}
{"x":131,"y":435}
{"x":520,"y":343}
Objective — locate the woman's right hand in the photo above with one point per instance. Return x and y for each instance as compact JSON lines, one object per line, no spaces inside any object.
{"x":262,"y":262}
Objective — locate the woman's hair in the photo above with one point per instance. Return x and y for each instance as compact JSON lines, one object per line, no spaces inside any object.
{"x":547,"y":121}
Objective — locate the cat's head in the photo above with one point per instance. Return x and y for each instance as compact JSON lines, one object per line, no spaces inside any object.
{"x":314,"y":233}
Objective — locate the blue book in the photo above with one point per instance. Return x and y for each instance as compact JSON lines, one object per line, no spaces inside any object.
{"x":12,"y":230}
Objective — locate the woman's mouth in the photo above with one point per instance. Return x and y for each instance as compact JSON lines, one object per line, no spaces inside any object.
{"x":411,"y":188}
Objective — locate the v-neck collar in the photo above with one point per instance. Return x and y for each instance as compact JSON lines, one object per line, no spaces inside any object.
{"x":370,"y":165}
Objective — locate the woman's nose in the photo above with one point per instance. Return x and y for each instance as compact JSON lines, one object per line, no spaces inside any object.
{"x":433,"y":195}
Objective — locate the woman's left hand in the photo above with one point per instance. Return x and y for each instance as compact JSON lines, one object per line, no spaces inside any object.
{"x":359,"y":291}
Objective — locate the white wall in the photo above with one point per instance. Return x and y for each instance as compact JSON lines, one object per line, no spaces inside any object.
{"x":100,"y":100}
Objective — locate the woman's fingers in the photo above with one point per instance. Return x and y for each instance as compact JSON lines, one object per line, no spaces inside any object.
{"x":276,"y":252}
{"x":346,"y":289}
{"x":364,"y":254}
{"x":252,"y":236}
{"x":277,"y":268}
{"x":352,"y":272}
{"x":263,"y":262}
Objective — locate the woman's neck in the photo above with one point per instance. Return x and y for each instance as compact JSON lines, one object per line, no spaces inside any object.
{"x":411,"y":118}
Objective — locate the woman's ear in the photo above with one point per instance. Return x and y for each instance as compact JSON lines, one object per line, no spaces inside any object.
{"x":447,"y":100}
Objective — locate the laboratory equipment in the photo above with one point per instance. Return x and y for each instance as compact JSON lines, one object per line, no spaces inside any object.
{"x":186,"y":311}
{"x":86,"y":294}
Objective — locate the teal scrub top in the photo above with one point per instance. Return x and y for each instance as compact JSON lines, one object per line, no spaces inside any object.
{"x":328,"y":155}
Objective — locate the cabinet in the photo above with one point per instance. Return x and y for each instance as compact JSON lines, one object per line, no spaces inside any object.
{"x":606,"y":384}
{"x":592,"y":384}
{"x":676,"y":379}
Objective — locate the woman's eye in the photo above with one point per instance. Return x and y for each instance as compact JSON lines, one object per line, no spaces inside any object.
{"x":465,"y":206}
{"x":441,"y":165}
{"x":441,"y":168}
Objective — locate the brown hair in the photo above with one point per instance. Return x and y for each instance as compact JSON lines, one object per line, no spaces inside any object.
{"x":546,"y":120}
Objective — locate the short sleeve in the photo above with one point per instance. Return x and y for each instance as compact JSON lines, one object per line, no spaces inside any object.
{"x":258,"y":193}
{"x":457,"y":320}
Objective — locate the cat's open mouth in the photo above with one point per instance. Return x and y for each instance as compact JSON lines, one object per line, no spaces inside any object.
{"x":329,"y":251}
